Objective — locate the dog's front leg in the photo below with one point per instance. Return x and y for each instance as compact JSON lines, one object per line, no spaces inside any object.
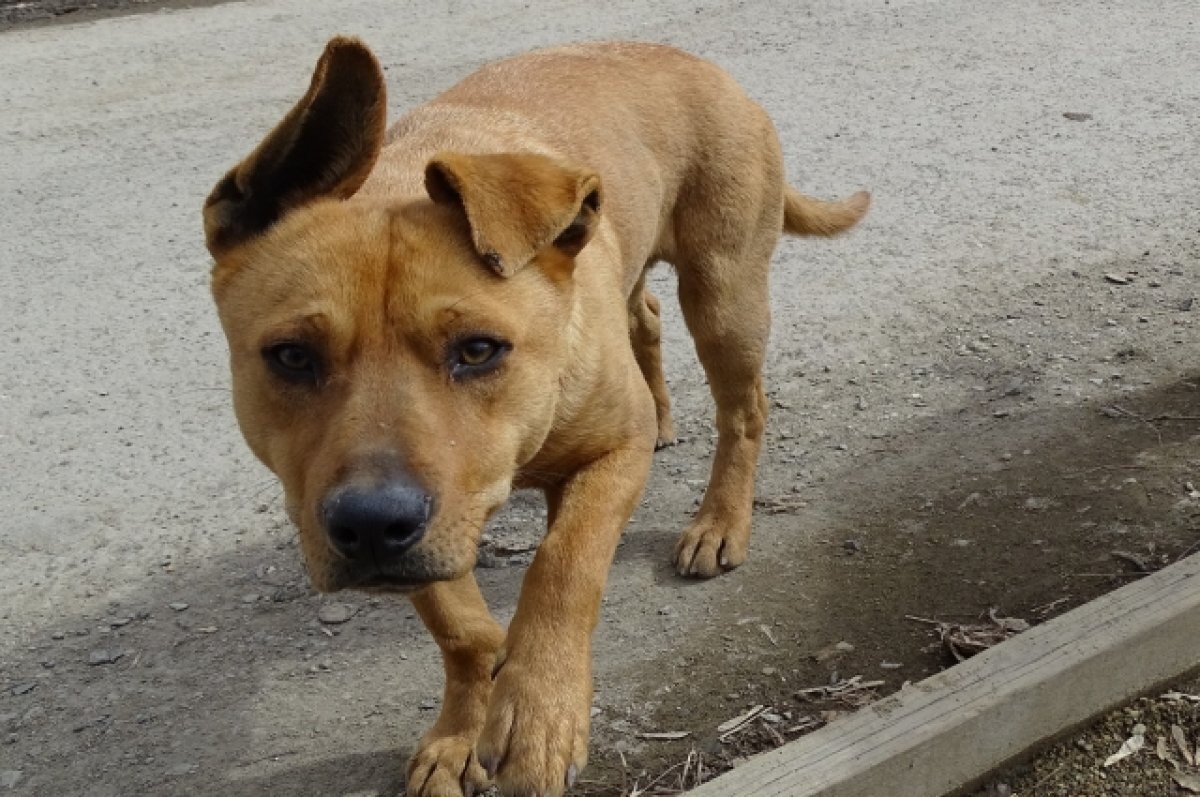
{"x":455,"y":613}
{"x":534,"y":741}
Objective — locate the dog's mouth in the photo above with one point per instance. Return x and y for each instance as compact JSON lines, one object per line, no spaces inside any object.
{"x":404,"y":577}
{"x":383,"y":582}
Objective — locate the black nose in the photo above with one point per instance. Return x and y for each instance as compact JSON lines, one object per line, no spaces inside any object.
{"x":380,"y":523}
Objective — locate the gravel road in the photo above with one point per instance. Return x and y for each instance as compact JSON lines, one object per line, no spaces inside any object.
{"x":968,"y":391}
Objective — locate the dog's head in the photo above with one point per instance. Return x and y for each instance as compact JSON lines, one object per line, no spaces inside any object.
{"x":394,"y":363}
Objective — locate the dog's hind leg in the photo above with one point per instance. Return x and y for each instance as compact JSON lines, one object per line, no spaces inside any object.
{"x":457,"y":616}
{"x":728,"y":313}
{"x":726,"y":228}
{"x":645,"y":333}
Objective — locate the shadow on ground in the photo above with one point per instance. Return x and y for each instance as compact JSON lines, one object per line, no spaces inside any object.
{"x":1030,"y":513}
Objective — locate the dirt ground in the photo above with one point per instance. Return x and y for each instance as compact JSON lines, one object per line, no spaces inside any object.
{"x":985,"y":398}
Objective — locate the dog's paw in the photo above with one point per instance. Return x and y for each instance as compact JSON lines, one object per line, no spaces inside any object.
{"x":534,"y":741}
{"x":709,"y":548}
{"x":445,"y":766}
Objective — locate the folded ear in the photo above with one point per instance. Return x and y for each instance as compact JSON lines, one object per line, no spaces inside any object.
{"x":517,"y":204}
{"x":324,"y":147}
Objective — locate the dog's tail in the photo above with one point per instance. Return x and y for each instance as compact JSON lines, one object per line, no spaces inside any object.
{"x":803,"y":215}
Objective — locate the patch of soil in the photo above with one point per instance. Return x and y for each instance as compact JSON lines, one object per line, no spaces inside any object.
{"x":1166,"y":762}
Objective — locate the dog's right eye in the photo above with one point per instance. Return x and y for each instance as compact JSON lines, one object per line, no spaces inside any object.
{"x":292,"y":361}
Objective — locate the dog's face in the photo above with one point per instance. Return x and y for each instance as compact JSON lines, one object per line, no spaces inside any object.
{"x":393,"y":364}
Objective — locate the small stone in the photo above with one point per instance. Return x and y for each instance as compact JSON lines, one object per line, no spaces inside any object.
{"x":98,"y":657}
{"x":335,"y":613}
{"x":1116,"y":279}
{"x":178,"y":606}
{"x":250,"y":597}
{"x":23,"y":689}
{"x":853,"y":546}
{"x":58,"y":635}
{"x":890,"y":665}
{"x":1077,"y":116}
{"x":769,"y":671}
{"x":860,"y":404}
{"x":428,"y":705}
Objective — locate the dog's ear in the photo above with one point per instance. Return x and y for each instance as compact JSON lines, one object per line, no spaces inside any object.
{"x":517,"y":204}
{"x":324,"y":147}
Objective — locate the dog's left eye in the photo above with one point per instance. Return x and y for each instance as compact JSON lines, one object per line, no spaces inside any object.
{"x":476,"y":356}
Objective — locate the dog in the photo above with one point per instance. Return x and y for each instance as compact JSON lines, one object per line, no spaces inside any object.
{"x":421,"y":319}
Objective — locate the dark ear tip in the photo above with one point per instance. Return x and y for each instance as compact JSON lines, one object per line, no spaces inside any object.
{"x":347,"y":44}
{"x":347,"y":52}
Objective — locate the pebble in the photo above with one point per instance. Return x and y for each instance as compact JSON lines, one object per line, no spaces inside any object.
{"x":58,"y":635}
{"x":178,"y":606}
{"x":23,"y":689}
{"x":97,"y":657}
{"x":428,"y":705}
{"x":335,"y":613}
{"x":250,"y":597}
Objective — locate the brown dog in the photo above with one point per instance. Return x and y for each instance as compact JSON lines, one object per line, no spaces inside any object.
{"x":423,"y":318}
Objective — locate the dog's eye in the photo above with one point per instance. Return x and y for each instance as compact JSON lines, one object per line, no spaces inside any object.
{"x":476,"y":356}
{"x":292,"y":361}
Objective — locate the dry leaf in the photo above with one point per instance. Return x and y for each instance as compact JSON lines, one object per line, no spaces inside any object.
{"x":1128,"y":748}
{"x":1187,"y":780}
{"x":1182,"y":743}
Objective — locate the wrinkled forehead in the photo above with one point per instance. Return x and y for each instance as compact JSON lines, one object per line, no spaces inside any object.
{"x":351,"y":268}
